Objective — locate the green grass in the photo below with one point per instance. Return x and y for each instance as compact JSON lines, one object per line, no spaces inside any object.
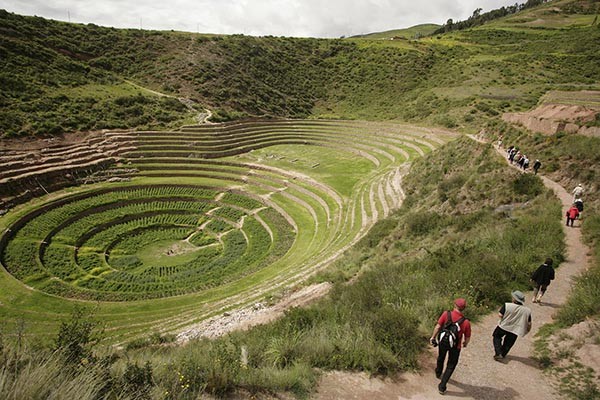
{"x":413,"y":32}
{"x":341,"y":170}
{"x":356,"y":78}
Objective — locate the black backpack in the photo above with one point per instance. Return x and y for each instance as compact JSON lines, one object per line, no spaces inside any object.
{"x":448,"y":336}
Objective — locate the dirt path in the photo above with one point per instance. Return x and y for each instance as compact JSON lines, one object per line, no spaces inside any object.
{"x":201,"y":118}
{"x":478,"y":376}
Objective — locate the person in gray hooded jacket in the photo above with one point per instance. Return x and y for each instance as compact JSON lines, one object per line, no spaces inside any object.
{"x":515,"y":321}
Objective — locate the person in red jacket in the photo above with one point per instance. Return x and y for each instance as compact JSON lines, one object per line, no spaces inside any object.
{"x":572,"y":214}
{"x":452,"y":354}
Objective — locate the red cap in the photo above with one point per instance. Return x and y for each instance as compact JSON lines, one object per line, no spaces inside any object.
{"x":460,"y":303}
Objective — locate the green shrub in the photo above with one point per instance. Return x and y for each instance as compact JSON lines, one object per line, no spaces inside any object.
{"x":423,"y":223}
{"x":138,"y":381}
{"x":527,"y":184}
{"x":381,"y":229}
{"x":77,"y":336}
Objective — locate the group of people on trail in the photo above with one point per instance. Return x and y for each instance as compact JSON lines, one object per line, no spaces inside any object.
{"x":452,"y":331}
{"x":515,"y":156}
{"x":574,"y":212}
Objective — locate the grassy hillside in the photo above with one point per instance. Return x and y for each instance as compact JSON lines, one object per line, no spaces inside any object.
{"x":414,"y":32}
{"x":52,"y":69}
{"x":460,"y":79}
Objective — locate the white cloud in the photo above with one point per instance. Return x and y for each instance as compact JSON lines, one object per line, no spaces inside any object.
{"x":316,"y":18}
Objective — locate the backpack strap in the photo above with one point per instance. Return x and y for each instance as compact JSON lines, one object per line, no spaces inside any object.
{"x":448,"y":318}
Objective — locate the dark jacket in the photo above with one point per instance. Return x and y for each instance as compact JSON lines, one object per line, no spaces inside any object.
{"x":543,"y":275}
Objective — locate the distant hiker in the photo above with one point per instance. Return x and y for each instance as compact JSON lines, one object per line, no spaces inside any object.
{"x":521,"y":161}
{"x":443,"y":331}
{"x":577,"y":192}
{"x":517,"y":156}
{"x":513,"y":154}
{"x":572,"y":214}
{"x":542,"y":277}
{"x":515,"y":321}
{"x":525,"y":163}
{"x":579,"y":204}
{"x":536,"y":165}
{"x":508,"y":151}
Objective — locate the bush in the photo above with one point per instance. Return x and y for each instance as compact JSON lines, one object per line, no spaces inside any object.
{"x":423,"y":223}
{"x":77,"y":336}
{"x":529,"y":185}
{"x":380,"y":230}
{"x":138,"y":381}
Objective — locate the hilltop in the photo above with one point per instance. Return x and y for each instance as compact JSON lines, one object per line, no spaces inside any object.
{"x":458,"y":80}
{"x":414,"y":32}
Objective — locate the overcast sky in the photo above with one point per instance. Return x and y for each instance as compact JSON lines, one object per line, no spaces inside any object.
{"x":303,"y":18}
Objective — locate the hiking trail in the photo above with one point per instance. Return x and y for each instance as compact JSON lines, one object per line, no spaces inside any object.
{"x":477,"y":375}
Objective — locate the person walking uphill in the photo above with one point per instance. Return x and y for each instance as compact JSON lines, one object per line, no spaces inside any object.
{"x":577,"y":192}
{"x":572,"y":214}
{"x":451,"y":333}
{"x":536,"y":165}
{"x":515,"y":321}
{"x":542,"y":277}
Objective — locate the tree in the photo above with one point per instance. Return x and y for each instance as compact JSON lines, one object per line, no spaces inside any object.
{"x":449,"y":25}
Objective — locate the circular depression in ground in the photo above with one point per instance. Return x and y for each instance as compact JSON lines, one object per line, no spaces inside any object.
{"x":143,"y":242}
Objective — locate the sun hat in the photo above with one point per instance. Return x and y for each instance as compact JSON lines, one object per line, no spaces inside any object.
{"x":460,"y":303}
{"x":518,"y":296}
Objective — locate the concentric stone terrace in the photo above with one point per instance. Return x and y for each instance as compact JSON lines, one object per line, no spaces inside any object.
{"x":145,"y":241}
{"x":217,"y":214}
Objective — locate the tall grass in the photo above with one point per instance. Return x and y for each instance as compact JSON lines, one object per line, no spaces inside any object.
{"x":31,"y":374}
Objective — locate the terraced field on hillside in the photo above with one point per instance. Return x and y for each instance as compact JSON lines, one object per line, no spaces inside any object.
{"x":190,"y":223}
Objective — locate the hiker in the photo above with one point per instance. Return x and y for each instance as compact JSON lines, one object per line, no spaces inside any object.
{"x":536,"y":165}
{"x":579,"y":204}
{"x":512,"y":155}
{"x":572,"y":214}
{"x":515,"y":321}
{"x":577,"y":192}
{"x":542,"y":277}
{"x":521,"y":161}
{"x":517,"y":156}
{"x":451,"y":348}
{"x":525,"y":163}
{"x":509,"y":151}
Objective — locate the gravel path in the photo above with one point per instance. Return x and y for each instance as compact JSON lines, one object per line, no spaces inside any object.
{"x":478,"y":376}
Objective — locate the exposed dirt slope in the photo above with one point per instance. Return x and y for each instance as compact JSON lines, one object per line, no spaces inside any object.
{"x":552,"y":118}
